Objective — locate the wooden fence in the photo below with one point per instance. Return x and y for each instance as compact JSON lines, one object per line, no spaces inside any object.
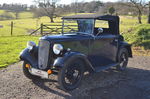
{"x":54,"y":28}
{"x":45,"y":28}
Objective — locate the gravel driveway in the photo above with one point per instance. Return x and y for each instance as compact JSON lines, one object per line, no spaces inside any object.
{"x":134,"y":83}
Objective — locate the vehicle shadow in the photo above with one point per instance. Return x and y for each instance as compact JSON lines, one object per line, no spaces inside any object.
{"x":94,"y":85}
{"x":41,"y":83}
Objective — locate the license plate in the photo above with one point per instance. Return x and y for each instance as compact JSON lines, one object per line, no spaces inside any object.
{"x":38,"y":72}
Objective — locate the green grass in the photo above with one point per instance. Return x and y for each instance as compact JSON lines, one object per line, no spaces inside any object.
{"x":1,"y":11}
{"x":25,"y":15}
{"x":129,"y":22}
{"x":11,"y":47}
{"x":23,"y":26}
{"x":22,"y":15}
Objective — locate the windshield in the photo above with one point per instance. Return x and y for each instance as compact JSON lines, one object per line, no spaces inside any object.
{"x":84,"y":26}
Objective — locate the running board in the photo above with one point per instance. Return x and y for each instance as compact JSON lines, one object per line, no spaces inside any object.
{"x":101,"y":68}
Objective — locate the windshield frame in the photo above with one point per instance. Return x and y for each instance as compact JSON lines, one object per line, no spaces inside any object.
{"x":63,"y":25}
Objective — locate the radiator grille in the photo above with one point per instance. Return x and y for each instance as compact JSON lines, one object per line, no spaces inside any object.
{"x":43,"y":54}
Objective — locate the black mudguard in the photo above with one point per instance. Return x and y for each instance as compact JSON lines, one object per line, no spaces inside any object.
{"x":29,"y":57}
{"x":127,"y":46}
{"x":60,"y":61}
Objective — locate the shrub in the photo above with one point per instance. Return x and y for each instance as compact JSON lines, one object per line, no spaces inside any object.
{"x":140,"y":36}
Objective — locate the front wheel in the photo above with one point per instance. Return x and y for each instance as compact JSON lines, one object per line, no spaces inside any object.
{"x":26,"y":72}
{"x":71,"y":74}
{"x":122,"y":59}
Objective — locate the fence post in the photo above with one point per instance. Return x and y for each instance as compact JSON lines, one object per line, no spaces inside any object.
{"x":41,"y":28}
{"x":12,"y":27}
{"x":62,"y":27}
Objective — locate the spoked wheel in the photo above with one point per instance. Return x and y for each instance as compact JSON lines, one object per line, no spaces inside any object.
{"x":123,"y":59}
{"x":71,"y":74}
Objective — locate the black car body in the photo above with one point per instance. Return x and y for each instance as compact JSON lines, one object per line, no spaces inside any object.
{"x":89,"y":46}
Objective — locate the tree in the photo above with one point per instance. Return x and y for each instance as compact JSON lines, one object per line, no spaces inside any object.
{"x":149,"y":14}
{"x":139,"y":5}
{"x":111,"y":10}
{"x":15,"y":8}
{"x":39,"y":12}
{"x":76,"y":6}
{"x":49,"y":7}
{"x":97,"y":5}
{"x":90,"y":7}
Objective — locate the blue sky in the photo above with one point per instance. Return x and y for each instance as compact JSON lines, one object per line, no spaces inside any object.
{"x":31,"y":1}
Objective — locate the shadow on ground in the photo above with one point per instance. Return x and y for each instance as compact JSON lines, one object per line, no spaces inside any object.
{"x":133,"y":83}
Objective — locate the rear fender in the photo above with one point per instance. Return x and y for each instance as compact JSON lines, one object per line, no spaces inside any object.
{"x":128,"y":47}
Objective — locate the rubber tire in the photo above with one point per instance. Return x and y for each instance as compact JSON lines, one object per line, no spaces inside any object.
{"x":125,"y":51}
{"x":27,"y":73}
{"x":61,"y":74}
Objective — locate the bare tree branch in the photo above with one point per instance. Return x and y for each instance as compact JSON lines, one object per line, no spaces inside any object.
{"x":139,"y":5}
{"x":49,"y":6}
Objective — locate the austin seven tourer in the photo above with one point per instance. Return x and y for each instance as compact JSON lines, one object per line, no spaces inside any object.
{"x":87,"y":43}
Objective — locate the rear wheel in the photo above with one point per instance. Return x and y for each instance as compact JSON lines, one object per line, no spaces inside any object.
{"x":122,"y":59}
{"x":71,"y":74}
{"x":26,"y":68}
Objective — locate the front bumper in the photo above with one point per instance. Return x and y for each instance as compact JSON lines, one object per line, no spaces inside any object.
{"x":40,"y":73}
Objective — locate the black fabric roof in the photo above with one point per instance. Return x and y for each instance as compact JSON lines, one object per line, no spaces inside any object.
{"x":93,"y":16}
{"x":82,"y":16}
{"x":113,"y":20}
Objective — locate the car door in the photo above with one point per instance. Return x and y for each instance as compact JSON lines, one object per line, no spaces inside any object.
{"x":103,"y":50}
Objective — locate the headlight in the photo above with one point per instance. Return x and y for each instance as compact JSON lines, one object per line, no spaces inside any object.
{"x":57,"y":48}
{"x":30,"y":45}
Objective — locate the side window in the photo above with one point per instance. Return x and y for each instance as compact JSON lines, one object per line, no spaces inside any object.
{"x":101,"y":27}
{"x":86,"y":25}
{"x":101,"y":24}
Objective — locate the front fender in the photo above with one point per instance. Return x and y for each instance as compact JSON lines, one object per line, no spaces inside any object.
{"x":29,"y":57}
{"x":59,"y":62}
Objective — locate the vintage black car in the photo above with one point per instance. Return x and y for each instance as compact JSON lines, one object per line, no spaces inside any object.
{"x":87,"y":43}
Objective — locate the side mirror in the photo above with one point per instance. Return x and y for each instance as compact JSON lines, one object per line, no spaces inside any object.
{"x":100,"y":30}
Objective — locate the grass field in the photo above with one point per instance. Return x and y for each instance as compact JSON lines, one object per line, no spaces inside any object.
{"x":22,"y":26}
{"x":12,"y":46}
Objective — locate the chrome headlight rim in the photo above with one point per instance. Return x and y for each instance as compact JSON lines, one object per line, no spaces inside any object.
{"x":31,"y":45}
{"x":57,"y":48}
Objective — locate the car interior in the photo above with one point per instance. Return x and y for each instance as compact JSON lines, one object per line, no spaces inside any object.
{"x":101,"y":24}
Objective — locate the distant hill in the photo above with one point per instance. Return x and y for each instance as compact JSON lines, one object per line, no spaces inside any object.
{"x":22,"y":15}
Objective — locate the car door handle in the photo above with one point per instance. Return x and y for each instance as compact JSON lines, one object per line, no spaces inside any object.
{"x":116,"y":40}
